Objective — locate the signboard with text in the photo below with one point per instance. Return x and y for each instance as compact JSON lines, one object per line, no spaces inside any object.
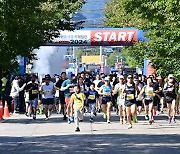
{"x":96,"y":37}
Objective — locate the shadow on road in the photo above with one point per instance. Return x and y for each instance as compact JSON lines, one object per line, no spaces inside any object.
{"x":101,"y":143}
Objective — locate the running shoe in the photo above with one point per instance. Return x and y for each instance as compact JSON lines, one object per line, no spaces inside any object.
{"x":69,"y":121}
{"x":91,"y":119}
{"x":150,"y":122}
{"x":64,"y":118}
{"x":108,"y":121}
{"x":40,"y":112}
{"x":34,"y":117}
{"x":77,"y":129}
{"x":125,"y":120}
{"x":95,"y":114}
{"x":46,"y":118}
{"x":146,"y":117}
{"x":130,"y":126}
{"x":104,"y":116}
{"x":169,"y":121}
{"x":134,"y":120}
{"x":158,"y":112}
{"x":71,"y":118}
{"x":173,"y":120}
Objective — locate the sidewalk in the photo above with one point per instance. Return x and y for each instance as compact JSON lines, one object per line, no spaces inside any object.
{"x":20,"y":134}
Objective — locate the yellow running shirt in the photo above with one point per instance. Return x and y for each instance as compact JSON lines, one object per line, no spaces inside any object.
{"x":78,"y":100}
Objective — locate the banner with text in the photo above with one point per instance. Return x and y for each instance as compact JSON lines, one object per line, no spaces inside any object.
{"x":99,"y":37}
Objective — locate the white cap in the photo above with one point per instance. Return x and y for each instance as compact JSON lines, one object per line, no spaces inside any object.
{"x":170,"y":76}
{"x":120,"y":76}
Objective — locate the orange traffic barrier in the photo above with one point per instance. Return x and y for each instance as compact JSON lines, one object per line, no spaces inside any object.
{"x":1,"y":111}
{"x":6,"y":111}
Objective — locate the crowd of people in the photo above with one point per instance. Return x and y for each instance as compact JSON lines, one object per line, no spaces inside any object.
{"x":73,"y":96}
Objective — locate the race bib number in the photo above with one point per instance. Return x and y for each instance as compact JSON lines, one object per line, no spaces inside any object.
{"x":91,"y":97}
{"x":130,"y":96}
{"x":150,"y":93}
{"x":107,"y":93}
{"x":34,"y":92}
{"x":71,"y":90}
{"x":47,"y":92}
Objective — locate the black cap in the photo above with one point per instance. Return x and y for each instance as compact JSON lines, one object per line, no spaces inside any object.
{"x":47,"y":77}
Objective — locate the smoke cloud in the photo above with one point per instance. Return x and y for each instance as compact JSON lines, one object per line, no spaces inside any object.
{"x":49,"y":61}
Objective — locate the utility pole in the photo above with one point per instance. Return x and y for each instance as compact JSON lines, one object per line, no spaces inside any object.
{"x":100,"y":54}
{"x":74,"y":60}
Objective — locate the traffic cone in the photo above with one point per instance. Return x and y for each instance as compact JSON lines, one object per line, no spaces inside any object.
{"x":1,"y":110}
{"x":6,"y":111}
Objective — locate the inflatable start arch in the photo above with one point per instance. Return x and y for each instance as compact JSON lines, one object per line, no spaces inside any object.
{"x":98,"y":37}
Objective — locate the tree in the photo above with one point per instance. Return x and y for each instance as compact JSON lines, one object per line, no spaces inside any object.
{"x":160,"y":19}
{"x":28,"y":24}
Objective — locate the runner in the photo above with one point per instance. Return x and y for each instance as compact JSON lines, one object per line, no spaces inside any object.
{"x":48,"y":91}
{"x":178,"y":99}
{"x":68,"y":88}
{"x":170,"y":95}
{"x":96,"y":81}
{"x":87,"y":80}
{"x":106,"y":92}
{"x":33,"y":90}
{"x":120,"y":99}
{"x":15,"y":93}
{"x":40,"y":102}
{"x":144,"y":80}
{"x":113,"y":79}
{"x":92,"y":98}
{"x":149,"y":93}
{"x":129,"y":91}
{"x":82,"y":85}
{"x":102,"y":82}
{"x":156,"y":105}
{"x":84,"y":90}
{"x":77,"y":101}
{"x":57,"y":96}
{"x":62,"y":106}
{"x":161,"y":94}
{"x":138,"y":100}
{"x":28,"y":109}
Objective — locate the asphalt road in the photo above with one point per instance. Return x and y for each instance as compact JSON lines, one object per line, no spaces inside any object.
{"x":20,"y":134}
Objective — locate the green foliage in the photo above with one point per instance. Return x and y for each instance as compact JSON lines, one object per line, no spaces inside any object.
{"x":27,"y":24}
{"x":86,"y":51}
{"x":160,"y":19}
